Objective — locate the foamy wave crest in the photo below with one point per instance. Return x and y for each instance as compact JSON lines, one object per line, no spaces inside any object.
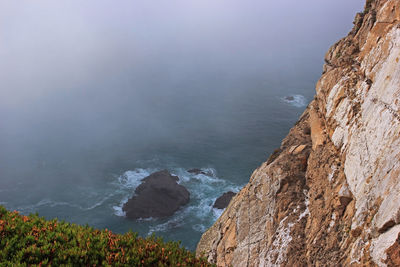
{"x":199,"y":228}
{"x":217,"y":213}
{"x":99,"y":203}
{"x":176,"y":221}
{"x":295,"y":100}
{"x":132,"y":179}
{"x":118,"y":210}
{"x":52,"y":203}
{"x":48,"y":203}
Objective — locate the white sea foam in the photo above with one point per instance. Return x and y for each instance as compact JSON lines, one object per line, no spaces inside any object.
{"x":100,"y":202}
{"x":118,"y":211}
{"x":217,"y":213}
{"x":47,"y":202}
{"x":199,"y":228}
{"x":176,"y":221}
{"x":204,"y":190}
{"x":53,"y":203}
{"x":132,"y":179}
{"x":198,"y":214}
{"x":295,"y":100}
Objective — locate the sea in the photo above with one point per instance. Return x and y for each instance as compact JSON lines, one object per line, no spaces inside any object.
{"x":95,"y":96}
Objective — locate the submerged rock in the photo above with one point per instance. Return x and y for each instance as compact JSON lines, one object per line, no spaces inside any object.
{"x":223,"y":201}
{"x":196,"y":171}
{"x":159,"y":195}
{"x":199,"y":171}
{"x":289,"y":98}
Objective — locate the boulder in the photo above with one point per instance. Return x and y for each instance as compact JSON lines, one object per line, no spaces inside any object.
{"x":159,"y":195}
{"x":223,"y":201}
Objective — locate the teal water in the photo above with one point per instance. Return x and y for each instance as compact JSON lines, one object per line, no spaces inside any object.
{"x":95,"y":96}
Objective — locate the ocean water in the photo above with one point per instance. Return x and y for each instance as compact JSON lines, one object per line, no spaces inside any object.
{"x":97,"y":197}
{"x":95,"y":96}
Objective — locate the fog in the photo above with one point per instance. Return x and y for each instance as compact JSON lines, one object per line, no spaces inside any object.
{"x":88,"y":88}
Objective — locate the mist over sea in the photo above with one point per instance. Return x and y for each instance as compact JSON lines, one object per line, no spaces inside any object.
{"x":95,"y":95}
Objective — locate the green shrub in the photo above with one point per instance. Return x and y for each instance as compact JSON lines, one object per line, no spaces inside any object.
{"x":32,"y":240}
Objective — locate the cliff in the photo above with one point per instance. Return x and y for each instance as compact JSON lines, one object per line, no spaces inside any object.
{"x":330,"y":195}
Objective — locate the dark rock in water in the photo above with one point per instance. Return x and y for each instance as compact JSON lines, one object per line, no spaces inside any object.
{"x":196,"y":171}
{"x":223,"y":201}
{"x":159,"y":195}
{"x":289,"y":98}
{"x":199,"y":171}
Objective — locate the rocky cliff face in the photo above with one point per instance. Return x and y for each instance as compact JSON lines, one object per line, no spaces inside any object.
{"x":330,"y":195}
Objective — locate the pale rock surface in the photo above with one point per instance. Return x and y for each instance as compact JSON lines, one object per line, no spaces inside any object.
{"x":330,"y":195}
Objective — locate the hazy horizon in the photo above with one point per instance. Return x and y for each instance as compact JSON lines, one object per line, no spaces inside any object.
{"x":102,"y":60}
{"x":90,"y":89}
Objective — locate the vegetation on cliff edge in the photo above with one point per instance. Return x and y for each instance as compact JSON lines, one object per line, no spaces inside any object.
{"x":32,"y":240}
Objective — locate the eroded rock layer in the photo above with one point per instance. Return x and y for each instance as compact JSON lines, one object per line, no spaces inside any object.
{"x":330,"y":195}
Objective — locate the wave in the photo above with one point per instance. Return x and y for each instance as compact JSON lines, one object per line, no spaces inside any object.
{"x":99,"y":203}
{"x":47,"y":202}
{"x":204,"y":189}
{"x":118,"y":209}
{"x":295,"y":100}
{"x":197,"y":215}
{"x":177,"y":220}
{"x":132,"y":179}
{"x":201,"y":228}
